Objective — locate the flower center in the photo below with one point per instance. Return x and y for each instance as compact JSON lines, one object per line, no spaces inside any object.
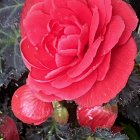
{"x":62,"y":42}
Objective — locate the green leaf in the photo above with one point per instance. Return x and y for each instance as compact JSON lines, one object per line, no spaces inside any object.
{"x":136,"y":36}
{"x":11,"y":64}
{"x":105,"y":134}
{"x":139,"y":29}
{"x":131,"y":132}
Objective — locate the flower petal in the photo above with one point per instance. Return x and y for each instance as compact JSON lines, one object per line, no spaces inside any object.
{"x":94,"y":25}
{"x":97,"y":117}
{"x":108,"y":7}
{"x":35,"y":26}
{"x":36,"y":7}
{"x":102,"y":11}
{"x":68,"y":93}
{"x":86,"y":61}
{"x":48,"y":6}
{"x":62,"y":60}
{"x":56,"y":72}
{"x":64,"y":80}
{"x":105,"y":12}
{"x":78,"y":7}
{"x":28,"y":108}
{"x":46,"y":98}
{"x":104,"y":67}
{"x":113,"y":34}
{"x":122,"y":9}
{"x":39,"y":74}
{"x":45,"y":58}
{"x":65,"y":14}
{"x":27,"y":6}
{"x":122,"y":62}
{"x":71,"y":29}
{"x":29,"y":58}
{"x":8,"y":128}
{"x":68,"y":42}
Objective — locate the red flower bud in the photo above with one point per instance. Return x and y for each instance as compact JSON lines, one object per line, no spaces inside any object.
{"x":97,"y":117}
{"x":28,"y":108}
{"x":8,"y":128}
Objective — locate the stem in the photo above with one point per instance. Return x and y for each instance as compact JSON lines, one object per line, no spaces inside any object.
{"x":51,"y":131}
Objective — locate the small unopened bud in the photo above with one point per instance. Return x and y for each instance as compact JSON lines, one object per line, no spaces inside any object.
{"x":60,"y":113}
{"x":90,"y":138}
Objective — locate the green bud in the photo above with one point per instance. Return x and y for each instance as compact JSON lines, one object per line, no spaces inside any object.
{"x":89,"y":138}
{"x":60,"y":113}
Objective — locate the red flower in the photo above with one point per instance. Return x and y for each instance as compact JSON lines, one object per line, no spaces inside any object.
{"x":78,"y":50}
{"x":28,"y":108}
{"x":97,"y":117}
{"x":8,"y":128}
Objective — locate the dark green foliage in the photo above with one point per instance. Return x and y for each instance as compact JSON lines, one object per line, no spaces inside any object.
{"x":54,"y":131}
{"x":129,"y":98}
{"x":132,"y":110}
{"x":104,"y":134}
{"x":11,"y":65}
{"x":137,"y":38}
{"x":73,"y":134}
{"x":131,"y":132}
{"x":136,"y":5}
{"x":131,"y":91}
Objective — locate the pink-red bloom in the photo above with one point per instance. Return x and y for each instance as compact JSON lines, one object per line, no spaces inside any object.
{"x":8,"y":128}
{"x":97,"y":117}
{"x":78,"y":50}
{"x":28,"y":108}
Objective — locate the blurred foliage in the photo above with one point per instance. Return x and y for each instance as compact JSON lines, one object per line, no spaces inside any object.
{"x":139,"y":30}
{"x":11,"y":65}
{"x":53,"y":131}
{"x":105,"y":134}
{"x":131,"y":132}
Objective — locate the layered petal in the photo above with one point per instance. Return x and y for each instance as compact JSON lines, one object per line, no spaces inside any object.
{"x":129,"y":17}
{"x":86,"y":61}
{"x":73,"y":91}
{"x":121,"y":65}
{"x":39,"y":76}
{"x":46,"y":98}
{"x":104,"y":67}
{"x":112,"y":35}
{"x":94,"y":25}
{"x":35,"y":26}
{"x":28,"y":52}
{"x":105,"y":12}
{"x":27,"y":6}
{"x":78,"y":7}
